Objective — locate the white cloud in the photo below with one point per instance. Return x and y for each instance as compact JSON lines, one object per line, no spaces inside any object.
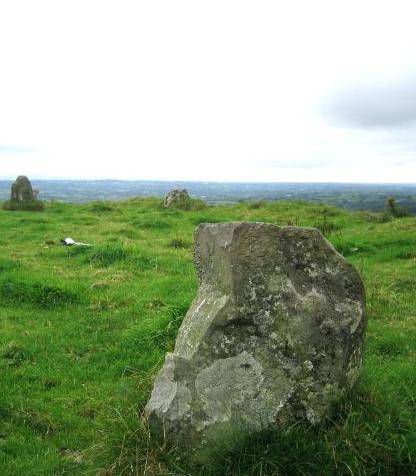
{"x":196,"y":90}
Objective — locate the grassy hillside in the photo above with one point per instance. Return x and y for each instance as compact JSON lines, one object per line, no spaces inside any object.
{"x":84,"y":330}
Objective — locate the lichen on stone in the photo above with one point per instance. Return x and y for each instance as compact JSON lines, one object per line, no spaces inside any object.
{"x":275,"y":335}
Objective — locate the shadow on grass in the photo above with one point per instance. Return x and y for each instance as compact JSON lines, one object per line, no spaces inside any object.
{"x":357,"y":440}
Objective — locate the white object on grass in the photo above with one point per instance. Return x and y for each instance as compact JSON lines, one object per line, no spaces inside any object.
{"x":70,"y":242}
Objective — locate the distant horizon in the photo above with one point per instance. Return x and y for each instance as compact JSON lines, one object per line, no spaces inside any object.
{"x":83,"y":179}
{"x":370,"y":196}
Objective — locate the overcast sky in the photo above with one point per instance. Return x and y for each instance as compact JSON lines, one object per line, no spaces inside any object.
{"x":208,"y":90}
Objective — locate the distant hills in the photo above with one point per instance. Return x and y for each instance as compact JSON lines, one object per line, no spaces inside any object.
{"x":351,"y":196}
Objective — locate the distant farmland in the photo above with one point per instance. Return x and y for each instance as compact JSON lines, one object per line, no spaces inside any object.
{"x":350,"y":196}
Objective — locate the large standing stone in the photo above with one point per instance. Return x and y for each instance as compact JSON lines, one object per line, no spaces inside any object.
{"x":274,"y":335}
{"x":177,"y":199}
{"x":22,"y":189}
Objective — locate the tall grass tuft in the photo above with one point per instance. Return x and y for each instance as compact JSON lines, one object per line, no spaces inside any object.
{"x":19,"y":291}
{"x":107,"y":254}
{"x":326,"y":227}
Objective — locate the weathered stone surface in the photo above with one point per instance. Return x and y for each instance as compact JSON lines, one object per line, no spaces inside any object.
{"x":176,"y":198}
{"x":22,"y":189}
{"x":23,"y":196}
{"x":274,"y":335}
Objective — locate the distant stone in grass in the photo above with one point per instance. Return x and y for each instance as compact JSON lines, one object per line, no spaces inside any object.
{"x":23,"y":197}
{"x":274,"y":336}
{"x":177,"y":199}
{"x":22,"y":189}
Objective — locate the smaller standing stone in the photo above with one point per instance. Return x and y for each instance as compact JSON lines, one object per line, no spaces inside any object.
{"x":22,"y":190}
{"x":23,"y":196}
{"x":177,"y":199}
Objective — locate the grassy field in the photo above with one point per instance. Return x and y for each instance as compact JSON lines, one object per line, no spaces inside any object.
{"x":83,"y":331}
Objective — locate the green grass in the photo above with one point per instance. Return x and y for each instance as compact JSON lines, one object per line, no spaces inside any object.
{"x":30,"y":205}
{"x":84,"y":330}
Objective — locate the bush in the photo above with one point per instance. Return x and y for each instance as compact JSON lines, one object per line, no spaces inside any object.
{"x":31,"y":205}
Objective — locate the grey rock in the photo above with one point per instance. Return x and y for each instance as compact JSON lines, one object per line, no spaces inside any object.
{"x":177,"y":199}
{"x":22,"y":190}
{"x":23,"y":196}
{"x":275,"y":335}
